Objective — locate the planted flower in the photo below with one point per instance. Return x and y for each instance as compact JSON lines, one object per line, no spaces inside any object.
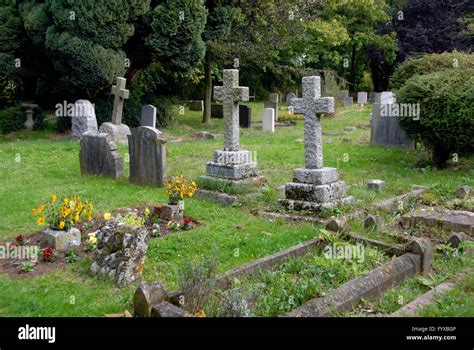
{"x":49,"y":255}
{"x":20,"y":240}
{"x":178,"y":188}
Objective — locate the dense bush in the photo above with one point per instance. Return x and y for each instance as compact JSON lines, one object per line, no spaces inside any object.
{"x":11,"y":119}
{"x":446,"y":123}
{"x":429,"y":64}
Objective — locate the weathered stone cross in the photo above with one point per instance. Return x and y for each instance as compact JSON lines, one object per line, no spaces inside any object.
{"x":121,"y":94}
{"x":312,"y":105}
{"x":231,"y":93}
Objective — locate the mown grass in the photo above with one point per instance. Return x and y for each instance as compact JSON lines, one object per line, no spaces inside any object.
{"x":34,"y":165}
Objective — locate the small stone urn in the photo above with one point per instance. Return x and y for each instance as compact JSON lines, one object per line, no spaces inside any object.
{"x":173,"y":211}
{"x":60,"y":240}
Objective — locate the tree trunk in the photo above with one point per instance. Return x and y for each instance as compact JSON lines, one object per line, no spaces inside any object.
{"x":206,"y":117}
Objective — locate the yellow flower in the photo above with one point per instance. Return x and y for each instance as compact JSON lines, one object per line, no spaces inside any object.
{"x":89,"y":216}
{"x":41,"y":220}
{"x":200,"y":313}
{"x":61,"y":225}
{"x":107,"y":216}
{"x":79,"y":206}
{"x":66,"y":201}
{"x":34,"y":211}
{"x":90,"y":206}
{"x":147,"y":212}
{"x":41,"y":208}
{"x":53,"y":198}
{"x":77,"y":217}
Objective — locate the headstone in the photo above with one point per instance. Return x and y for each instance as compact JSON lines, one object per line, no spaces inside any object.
{"x":378,"y":97}
{"x":348,"y":101}
{"x":376,"y":185}
{"x":147,"y":149}
{"x":362,"y":98}
{"x":115,"y":128}
{"x":196,"y":105}
{"x":29,"y":111}
{"x":268,"y":124}
{"x":232,"y":163}
{"x":371,"y":97}
{"x":148,"y":116}
{"x":289,"y":97}
{"x":245,"y":116}
{"x":83,"y":118}
{"x":386,"y":130}
{"x":314,"y":187}
{"x":273,"y":100}
{"x":217,"y":111}
{"x":99,"y":156}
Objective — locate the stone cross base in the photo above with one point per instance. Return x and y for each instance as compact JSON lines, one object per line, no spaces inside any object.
{"x":118,"y":132}
{"x":315,"y":189}
{"x":232,"y":165}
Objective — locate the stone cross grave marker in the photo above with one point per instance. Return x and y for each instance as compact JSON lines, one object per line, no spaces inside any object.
{"x":314,"y":186}
{"x":230,"y":93}
{"x":312,"y":105}
{"x":148,"y":116}
{"x":121,"y":94}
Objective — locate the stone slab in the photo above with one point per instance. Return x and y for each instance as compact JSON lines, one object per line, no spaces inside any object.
{"x":83,"y":118}
{"x":196,"y":105}
{"x":369,"y":286}
{"x":268,"y":124}
{"x":118,"y":132}
{"x":451,"y":221}
{"x":315,"y":193}
{"x":223,"y":198}
{"x":299,"y":205}
{"x":231,"y":171}
{"x":148,"y":116}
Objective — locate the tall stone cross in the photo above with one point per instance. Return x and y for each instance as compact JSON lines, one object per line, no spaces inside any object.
{"x":121,"y":94}
{"x":312,"y":105}
{"x":231,"y":93}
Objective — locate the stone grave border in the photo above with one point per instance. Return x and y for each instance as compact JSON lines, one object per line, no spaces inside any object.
{"x":412,"y":259}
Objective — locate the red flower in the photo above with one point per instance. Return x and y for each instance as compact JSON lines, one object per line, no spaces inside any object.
{"x":48,"y":254}
{"x":187,"y":221}
{"x":149,"y":224}
{"x":157,"y":208}
{"x":19,"y":239}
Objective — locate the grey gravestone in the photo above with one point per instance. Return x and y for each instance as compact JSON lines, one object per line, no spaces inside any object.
{"x":371,"y":97}
{"x":83,"y":118}
{"x":386,"y":131}
{"x":274,"y":97}
{"x":115,"y":128}
{"x":289,"y":97}
{"x":148,"y":117}
{"x":245,"y":116}
{"x":342,"y":94}
{"x":196,"y":105}
{"x":232,"y":163}
{"x":217,"y":111}
{"x":314,"y":186}
{"x":387,"y":97}
{"x":348,"y":101}
{"x":99,"y":156}
{"x":362,"y":98}
{"x":147,"y":149}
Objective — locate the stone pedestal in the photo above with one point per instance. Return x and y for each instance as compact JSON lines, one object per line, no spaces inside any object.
{"x":315,"y":189}
{"x":172,"y":212}
{"x":233,"y":165}
{"x":59,"y":240}
{"x":118,"y":132}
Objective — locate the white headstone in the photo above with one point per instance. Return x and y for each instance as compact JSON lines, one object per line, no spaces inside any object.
{"x":387,"y":97}
{"x":362,"y":98}
{"x":83,"y":118}
{"x":268,"y":124}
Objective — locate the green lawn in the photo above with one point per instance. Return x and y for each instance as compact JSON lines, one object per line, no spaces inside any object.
{"x":34,"y":165}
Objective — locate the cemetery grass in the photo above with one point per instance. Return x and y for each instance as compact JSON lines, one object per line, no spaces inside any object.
{"x":34,"y":165}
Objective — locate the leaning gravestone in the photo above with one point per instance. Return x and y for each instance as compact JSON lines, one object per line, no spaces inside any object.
{"x":231,"y":164}
{"x":289,"y":97}
{"x":148,"y":116}
{"x":196,"y":105}
{"x":386,"y":130}
{"x":115,"y":128}
{"x":362,"y":98}
{"x":245,"y":116}
{"x":314,"y":187}
{"x":83,"y":118}
{"x":348,"y":101}
{"x":99,"y":156}
{"x":147,"y":149}
{"x":268,"y":124}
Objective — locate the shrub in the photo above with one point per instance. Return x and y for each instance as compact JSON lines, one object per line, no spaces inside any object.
{"x":446,"y":101}
{"x":11,"y":119}
{"x":63,"y":124}
{"x":429,"y":64}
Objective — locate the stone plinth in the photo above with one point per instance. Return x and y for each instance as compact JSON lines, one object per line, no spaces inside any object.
{"x":172,"y":212}
{"x":60,"y":240}
{"x":119,"y":133}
